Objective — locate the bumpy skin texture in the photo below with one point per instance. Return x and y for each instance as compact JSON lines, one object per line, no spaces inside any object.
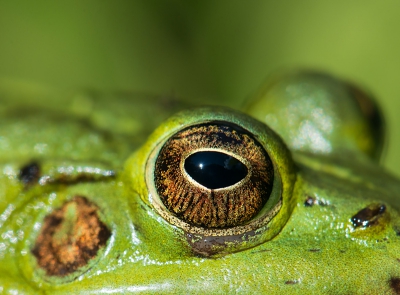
{"x":311,"y":245}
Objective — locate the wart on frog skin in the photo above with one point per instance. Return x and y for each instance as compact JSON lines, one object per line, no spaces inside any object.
{"x":87,"y":176}
{"x":37,"y":173}
{"x":311,"y":201}
{"x":368,"y":216}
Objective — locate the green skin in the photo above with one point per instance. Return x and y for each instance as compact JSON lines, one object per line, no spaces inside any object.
{"x":330,"y":158}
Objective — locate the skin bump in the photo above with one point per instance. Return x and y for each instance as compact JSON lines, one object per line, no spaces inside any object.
{"x":368,"y":216}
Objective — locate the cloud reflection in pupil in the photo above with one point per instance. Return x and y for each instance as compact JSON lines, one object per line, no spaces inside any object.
{"x":215,"y":170}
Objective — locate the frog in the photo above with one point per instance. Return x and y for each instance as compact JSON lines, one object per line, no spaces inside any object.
{"x":106,"y":193}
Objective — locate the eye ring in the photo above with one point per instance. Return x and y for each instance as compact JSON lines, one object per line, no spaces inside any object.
{"x":265,"y":225}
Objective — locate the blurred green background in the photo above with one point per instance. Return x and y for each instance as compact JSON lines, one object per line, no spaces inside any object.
{"x":203,"y":49}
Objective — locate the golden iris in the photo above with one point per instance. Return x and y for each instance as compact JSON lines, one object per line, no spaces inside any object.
{"x":213,"y":175}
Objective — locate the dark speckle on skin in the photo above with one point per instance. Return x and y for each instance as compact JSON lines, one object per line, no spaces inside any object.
{"x":314,"y":250}
{"x":396,"y":228}
{"x":383,"y":240}
{"x":291,"y":282}
{"x":368,"y":216}
{"x":311,"y":201}
{"x":30,"y":173}
{"x":395,"y":285}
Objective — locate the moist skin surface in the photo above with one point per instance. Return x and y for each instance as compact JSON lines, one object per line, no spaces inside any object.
{"x":82,"y":211}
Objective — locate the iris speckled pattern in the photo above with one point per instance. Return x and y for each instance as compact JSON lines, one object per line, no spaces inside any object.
{"x":124,"y":194}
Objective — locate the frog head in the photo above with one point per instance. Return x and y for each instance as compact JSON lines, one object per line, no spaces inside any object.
{"x":285,"y":196}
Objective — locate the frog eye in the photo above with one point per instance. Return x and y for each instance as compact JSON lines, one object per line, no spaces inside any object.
{"x":223,"y":179}
{"x":213,"y":175}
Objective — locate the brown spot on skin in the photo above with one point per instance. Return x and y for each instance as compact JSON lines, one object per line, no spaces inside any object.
{"x":314,"y":250}
{"x":70,"y":237}
{"x":30,"y":173}
{"x":368,"y":216}
{"x":291,"y":282}
{"x":395,"y":285}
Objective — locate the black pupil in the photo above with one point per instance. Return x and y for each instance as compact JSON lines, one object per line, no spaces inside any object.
{"x":214,"y":169}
